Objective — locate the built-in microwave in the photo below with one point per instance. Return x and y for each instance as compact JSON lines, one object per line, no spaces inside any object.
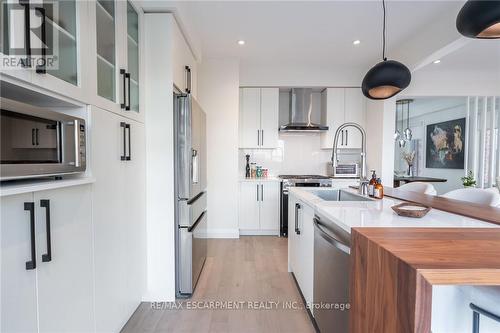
{"x":39,"y":142}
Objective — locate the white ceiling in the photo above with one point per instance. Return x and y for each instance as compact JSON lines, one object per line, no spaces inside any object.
{"x":477,"y":55}
{"x":303,"y":31}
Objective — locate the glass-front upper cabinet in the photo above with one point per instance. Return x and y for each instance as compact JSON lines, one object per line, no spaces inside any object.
{"x":117,"y":56}
{"x":106,"y":49}
{"x":45,"y":37}
{"x":133,"y":56}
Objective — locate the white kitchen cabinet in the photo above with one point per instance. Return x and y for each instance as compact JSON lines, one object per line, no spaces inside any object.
{"x":269,"y":215}
{"x":18,"y":297}
{"x":259,"y":117}
{"x":70,"y":78}
{"x":118,"y":217}
{"x":65,"y":23}
{"x":53,"y":293}
{"x":249,"y":206}
{"x":269,"y":117}
{"x":305,"y":276}
{"x":339,"y":106}
{"x":65,"y":282}
{"x":116,"y":27}
{"x":301,"y":246}
{"x":249,"y":118}
{"x":185,"y":68}
{"x":259,"y":208}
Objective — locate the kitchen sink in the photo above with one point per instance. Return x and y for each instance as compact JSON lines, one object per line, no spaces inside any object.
{"x":339,"y":195}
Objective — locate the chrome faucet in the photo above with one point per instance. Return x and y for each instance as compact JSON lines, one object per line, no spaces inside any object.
{"x":335,"y":152}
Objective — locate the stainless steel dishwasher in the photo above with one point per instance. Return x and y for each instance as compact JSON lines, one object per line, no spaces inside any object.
{"x":331,"y":277}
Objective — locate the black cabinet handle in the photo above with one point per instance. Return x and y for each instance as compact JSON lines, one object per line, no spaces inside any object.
{"x":297,"y":207}
{"x":27,"y":32}
{"x":262,"y":137}
{"x":36,"y":137}
{"x":46,"y":204}
{"x":30,"y":206}
{"x":123,"y":74}
{"x":129,"y":157}
{"x":33,"y":137}
{"x":346,"y":136}
{"x":188,"y":79}
{"x":123,"y":125}
{"x":127,"y":108}
{"x":258,"y":137}
{"x":261,"y":192}
{"x":342,"y":138}
{"x":257,"y":192}
{"x":42,"y":69}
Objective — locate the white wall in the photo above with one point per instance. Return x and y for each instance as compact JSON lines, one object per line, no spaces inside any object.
{"x":159,"y":158}
{"x":298,"y":153}
{"x":418,"y":126}
{"x":380,"y":142}
{"x":218,"y":92}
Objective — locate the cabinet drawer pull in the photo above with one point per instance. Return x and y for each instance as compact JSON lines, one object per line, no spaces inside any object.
{"x":124,"y":155}
{"x":122,"y":73}
{"x":47,"y":256}
{"x":30,"y":206}
{"x":262,"y":137}
{"x":129,"y":156}
{"x":27,"y":32}
{"x":346,"y":136}
{"x":33,"y":136}
{"x":297,"y":207}
{"x":42,"y":69}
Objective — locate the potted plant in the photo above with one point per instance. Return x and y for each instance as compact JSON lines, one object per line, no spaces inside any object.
{"x":409,"y":158}
{"x":469,"y":181}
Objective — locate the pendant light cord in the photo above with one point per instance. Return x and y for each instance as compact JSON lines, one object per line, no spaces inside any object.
{"x":383,"y":34}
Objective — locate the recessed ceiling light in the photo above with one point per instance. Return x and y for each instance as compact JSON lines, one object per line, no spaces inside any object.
{"x":436,"y":61}
{"x":356,"y":42}
{"x":241,"y":42}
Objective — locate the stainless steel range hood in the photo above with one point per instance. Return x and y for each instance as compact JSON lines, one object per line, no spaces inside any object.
{"x":300,"y":113}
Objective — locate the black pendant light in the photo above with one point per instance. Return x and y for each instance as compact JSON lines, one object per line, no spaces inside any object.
{"x":480,"y":19}
{"x":387,"y":78}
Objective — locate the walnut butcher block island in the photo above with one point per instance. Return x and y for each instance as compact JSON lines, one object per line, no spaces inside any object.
{"x":393,"y":271}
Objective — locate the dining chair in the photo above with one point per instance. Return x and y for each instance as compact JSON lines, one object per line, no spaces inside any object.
{"x":475,"y":195}
{"x":419,"y":187}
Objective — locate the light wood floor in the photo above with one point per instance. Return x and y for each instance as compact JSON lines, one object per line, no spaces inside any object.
{"x":245,"y":269}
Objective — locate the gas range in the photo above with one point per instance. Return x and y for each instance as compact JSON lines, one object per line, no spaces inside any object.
{"x":297,"y":181}
{"x":305,"y":181}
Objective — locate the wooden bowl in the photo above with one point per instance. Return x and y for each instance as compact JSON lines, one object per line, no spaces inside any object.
{"x":411,"y":209}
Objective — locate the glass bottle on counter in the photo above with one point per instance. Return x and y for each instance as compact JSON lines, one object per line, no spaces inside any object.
{"x":253,"y":170}
{"x":378,"y":190}
{"x":247,"y":167}
{"x":372,"y":183}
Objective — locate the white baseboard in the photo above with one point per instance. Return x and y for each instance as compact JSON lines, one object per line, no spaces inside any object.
{"x":222,"y":233}
{"x":259,"y":232}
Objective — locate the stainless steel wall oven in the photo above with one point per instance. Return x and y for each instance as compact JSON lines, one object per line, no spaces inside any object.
{"x":38,"y":142}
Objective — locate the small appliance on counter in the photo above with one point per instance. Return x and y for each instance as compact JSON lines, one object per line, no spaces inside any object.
{"x":344,"y":170}
{"x":39,"y":142}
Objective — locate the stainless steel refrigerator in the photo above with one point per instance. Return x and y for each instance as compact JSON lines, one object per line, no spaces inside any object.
{"x":191,"y":194}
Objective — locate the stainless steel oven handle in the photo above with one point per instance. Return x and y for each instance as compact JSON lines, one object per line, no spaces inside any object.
{"x":77,"y":144}
{"x":335,"y":242}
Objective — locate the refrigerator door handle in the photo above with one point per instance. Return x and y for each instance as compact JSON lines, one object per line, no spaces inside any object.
{"x":195,"y":166}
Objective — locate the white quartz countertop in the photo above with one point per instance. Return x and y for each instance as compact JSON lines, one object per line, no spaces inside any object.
{"x":378,"y":213}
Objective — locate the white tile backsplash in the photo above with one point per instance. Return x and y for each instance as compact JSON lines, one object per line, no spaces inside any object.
{"x":298,"y":153}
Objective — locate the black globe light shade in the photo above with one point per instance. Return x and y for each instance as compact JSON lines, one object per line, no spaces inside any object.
{"x":480,"y":19}
{"x":386,"y":79}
